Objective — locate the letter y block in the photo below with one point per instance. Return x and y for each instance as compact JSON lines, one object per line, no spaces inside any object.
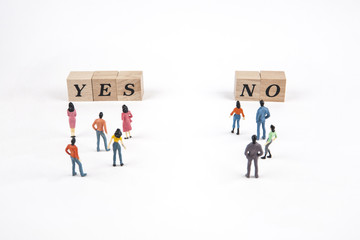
{"x":79,"y":86}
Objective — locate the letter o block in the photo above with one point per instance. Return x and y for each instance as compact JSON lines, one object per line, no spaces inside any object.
{"x":79,"y":86}
{"x":104,"y":85}
{"x":130,"y":86}
{"x":247,"y":85}
{"x":273,"y":86}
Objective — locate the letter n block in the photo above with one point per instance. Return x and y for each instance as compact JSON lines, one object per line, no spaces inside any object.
{"x":104,"y":85}
{"x":247,"y":85}
{"x":273,"y":86}
{"x":130,"y":86}
{"x":79,"y":86}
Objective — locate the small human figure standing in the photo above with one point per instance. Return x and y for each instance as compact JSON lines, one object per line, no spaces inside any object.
{"x":116,"y":146}
{"x":238,"y":110}
{"x":252,"y":152}
{"x":261,"y":115}
{"x":71,"y":112}
{"x":126,"y":118}
{"x":272,"y":137}
{"x":74,"y":156}
{"x":100,"y":128}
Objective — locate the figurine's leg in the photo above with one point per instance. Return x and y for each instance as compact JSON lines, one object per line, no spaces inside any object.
{"x":120,"y":156}
{"x":130,"y":135}
{"x":256,"y":167}
{"x":72,"y":131}
{"x":269,"y":156}
{"x":98,"y":140}
{"x":80,"y":168}
{"x":105,"y":141}
{"x":248,"y":168}
{"x":238,"y":125}
{"x":114,"y":156}
{"x":258,"y":131}
{"x":264,"y":130}
{"x":233,"y":126}
{"x":73,"y":166}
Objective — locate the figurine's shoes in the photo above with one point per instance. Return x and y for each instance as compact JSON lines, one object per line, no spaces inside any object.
{"x":130,"y":136}
{"x":269,"y":156}
{"x":263,"y":157}
{"x":121,"y":164}
{"x":74,"y":174}
{"x":232,"y":131}
{"x":256,"y":176}
{"x":114,"y":165}
{"x":98,"y":150}
{"x":84,"y":175}
{"x":263,"y":138}
{"x":247,"y":175}
{"x":126,"y":138}
{"x":107,"y":150}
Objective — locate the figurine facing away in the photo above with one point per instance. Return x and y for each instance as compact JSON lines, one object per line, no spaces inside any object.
{"x":71,"y":112}
{"x":261,"y":114}
{"x":74,"y":156}
{"x":100,"y":127}
{"x":116,"y":146}
{"x":272,"y":137}
{"x":238,"y":110}
{"x":126,"y":118}
{"x":252,"y":152}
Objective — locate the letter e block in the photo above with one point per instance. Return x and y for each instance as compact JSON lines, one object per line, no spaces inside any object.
{"x":104,"y":85}
{"x":247,"y":85}
{"x":130,"y":86}
{"x":273,"y":86}
{"x":79,"y":86}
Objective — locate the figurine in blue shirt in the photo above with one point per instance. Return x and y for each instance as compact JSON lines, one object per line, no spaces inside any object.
{"x":262,"y":114}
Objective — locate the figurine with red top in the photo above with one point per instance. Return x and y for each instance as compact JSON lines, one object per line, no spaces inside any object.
{"x":74,"y":156}
{"x":100,"y":128}
{"x":236,"y":119}
{"x":71,"y":112}
{"x":126,"y":118}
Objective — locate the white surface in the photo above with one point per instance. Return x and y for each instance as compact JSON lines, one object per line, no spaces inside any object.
{"x":184,"y":172}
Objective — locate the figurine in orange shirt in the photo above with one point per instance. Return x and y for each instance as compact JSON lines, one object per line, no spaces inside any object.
{"x":74,"y":156}
{"x":100,"y":128}
{"x":238,"y":110}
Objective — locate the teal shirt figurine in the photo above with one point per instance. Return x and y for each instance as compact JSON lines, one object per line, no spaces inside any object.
{"x":261,"y":115}
{"x":272,"y":137}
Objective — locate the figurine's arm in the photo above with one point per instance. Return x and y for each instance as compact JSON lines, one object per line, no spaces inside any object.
{"x":267,"y":114}
{"x":122,"y":144}
{"x":242,"y":113}
{"x":232,"y":113}
{"x":261,"y":151}
{"x":130,"y":115}
{"x":105,"y":127}
{"x":75,"y":112}
{"x":110,"y":142}
{"x":93,"y":126}
{"x":67,"y":150}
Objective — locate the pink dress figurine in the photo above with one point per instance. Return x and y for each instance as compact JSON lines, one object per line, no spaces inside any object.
{"x":71,"y":112}
{"x":126,"y":117}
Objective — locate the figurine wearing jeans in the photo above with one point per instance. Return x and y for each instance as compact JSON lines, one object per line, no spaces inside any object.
{"x":272,"y":137}
{"x":252,"y":152}
{"x":261,"y":114}
{"x":100,"y":127}
{"x":74,"y":157}
{"x":238,"y":110}
{"x":116,"y":146}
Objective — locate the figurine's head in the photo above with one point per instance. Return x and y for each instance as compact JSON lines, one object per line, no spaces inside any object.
{"x":71,"y":107}
{"x":73,"y":141}
{"x":101,"y":115}
{"x":262,"y":103}
{"x":272,"y":128}
{"x":238,"y":104}
{"x":125,"y":108}
{"x":253,"y":138}
{"x":118,"y":133}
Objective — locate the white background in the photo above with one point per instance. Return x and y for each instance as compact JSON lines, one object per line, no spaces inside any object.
{"x":184,"y":172}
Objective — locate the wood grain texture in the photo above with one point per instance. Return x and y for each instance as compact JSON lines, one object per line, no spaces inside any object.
{"x":247,"y":85}
{"x":130,"y":86}
{"x":82,"y":81}
{"x":273,"y":86}
{"x":107,"y":92}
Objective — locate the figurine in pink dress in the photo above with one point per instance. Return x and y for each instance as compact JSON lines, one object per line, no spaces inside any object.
{"x":126,"y":117}
{"x":71,"y":112}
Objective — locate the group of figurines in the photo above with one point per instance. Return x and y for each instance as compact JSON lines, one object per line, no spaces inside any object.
{"x":99,"y":126}
{"x":254,"y":150}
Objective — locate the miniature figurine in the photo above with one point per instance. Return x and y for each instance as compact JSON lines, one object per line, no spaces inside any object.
{"x":126,"y":117}
{"x":262,"y":114}
{"x":71,"y":112}
{"x":238,"y":110}
{"x":252,"y":152}
{"x":116,"y":146}
{"x":74,"y":157}
{"x":100,"y":128}
{"x":272,"y":137}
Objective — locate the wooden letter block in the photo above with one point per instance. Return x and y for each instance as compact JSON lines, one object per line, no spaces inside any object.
{"x":130,"y":86}
{"x":247,"y":85}
{"x":79,"y":86}
{"x":273,"y":86}
{"x":104,"y":85}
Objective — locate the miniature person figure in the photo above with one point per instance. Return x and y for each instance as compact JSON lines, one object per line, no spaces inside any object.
{"x":116,"y":146}
{"x":126,"y":117}
{"x":272,"y":137}
{"x":100,"y":128}
{"x":262,"y":114}
{"x":252,"y":152}
{"x":71,"y":112}
{"x":238,"y":110}
{"x":74,"y":156}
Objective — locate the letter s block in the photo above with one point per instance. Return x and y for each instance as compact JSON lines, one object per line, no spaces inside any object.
{"x":130,"y":86}
{"x":104,"y":85}
{"x":79,"y":86}
{"x":273,"y":86}
{"x":247,"y":85}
